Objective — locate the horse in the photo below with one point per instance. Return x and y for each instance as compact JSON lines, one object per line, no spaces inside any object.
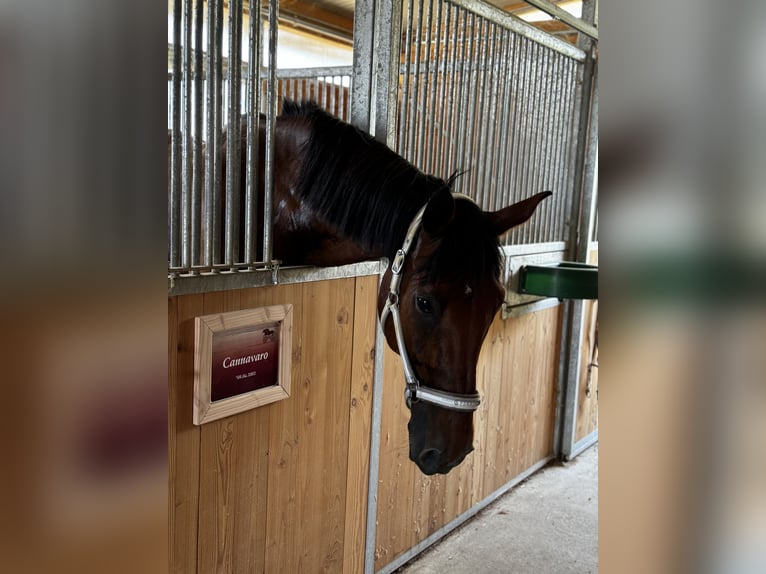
{"x":340,"y":197}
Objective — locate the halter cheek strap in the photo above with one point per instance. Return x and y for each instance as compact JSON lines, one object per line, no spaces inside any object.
{"x":414,"y":391}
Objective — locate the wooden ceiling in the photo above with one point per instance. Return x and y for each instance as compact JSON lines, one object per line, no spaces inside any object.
{"x":337,"y":16}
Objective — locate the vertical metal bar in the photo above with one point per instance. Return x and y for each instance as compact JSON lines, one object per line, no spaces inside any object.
{"x":253,"y":130}
{"x":443,"y":99}
{"x":582,"y":121}
{"x":470,"y":111}
{"x":404,"y":100}
{"x":210,"y":140}
{"x":454,"y":91}
{"x":341,"y":94}
{"x":564,"y":211}
{"x":529,"y":112}
{"x":462,"y":108}
{"x":233,"y":141}
{"x":174,"y":215}
{"x":270,"y":130}
{"x":409,"y":151}
{"x":537,"y":135}
{"x":556,"y":136}
{"x":479,"y":93}
{"x":387,"y":37}
{"x":360,"y":102}
{"x":435,"y":130}
{"x":187,"y":173}
{"x":488,"y":120}
{"x":333,"y":111}
{"x":425,"y":81}
{"x":214,"y":150}
{"x":496,"y":166}
{"x":197,"y":172}
{"x":559,"y":184}
{"x":544,"y":183}
{"x":506,"y":101}
{"x":589,"y":174}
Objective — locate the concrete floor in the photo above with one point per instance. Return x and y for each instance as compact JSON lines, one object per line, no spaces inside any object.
{"x":546,"y":525}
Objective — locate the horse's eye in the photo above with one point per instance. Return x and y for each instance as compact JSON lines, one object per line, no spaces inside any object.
{"x":424,"y":305}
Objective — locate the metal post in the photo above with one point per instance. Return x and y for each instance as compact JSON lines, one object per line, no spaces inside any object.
{"x":253,"y":130}
{"x":271,"y":104}
{"x":575,"y":335}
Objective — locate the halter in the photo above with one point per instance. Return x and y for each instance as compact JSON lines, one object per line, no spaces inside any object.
{"x":414,"y":390}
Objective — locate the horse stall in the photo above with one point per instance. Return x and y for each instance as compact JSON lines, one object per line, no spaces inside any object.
{"x":313,"y":471}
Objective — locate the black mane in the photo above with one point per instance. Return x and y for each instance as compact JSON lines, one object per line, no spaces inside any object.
{"x":357,"y":183}
{"x":370,"y":194}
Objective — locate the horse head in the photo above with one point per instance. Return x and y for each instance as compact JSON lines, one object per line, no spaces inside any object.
{"x":442,"y":292}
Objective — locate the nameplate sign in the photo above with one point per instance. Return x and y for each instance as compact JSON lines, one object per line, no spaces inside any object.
{"x":242,"y":361}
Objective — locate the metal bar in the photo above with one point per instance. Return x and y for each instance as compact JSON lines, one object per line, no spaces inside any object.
{"x":174,"y":215}
{"x":589,"y":176}
{"x":574,"y":343}
{"x":271,"y":104}
{"x":233,"y":156}
{"x":573,"y":365}
{"x":404,"y":101}
{"x":187,"y":167}
{"x":467,"y":515}
{"x":550,"y":141}
{"x":228,"y":280}
{"x":412,"y":117}
{"x":564,"y":16}
{"x":451,"y":111}
{"x":435,"y":25}
{"x":488,"y":119}
{"x":422,"y":148}
{"x":332,"y":96}
{"x":253,"y":130}
{"x":520,"y":27}
{"x":216,"y":150}
{"x":375,"y":432}
{"x":522,"y":102}
{"x":300,"y":73}
{"x":197,"y":171}
{"x":462,"y":108}
{"x":561,"y":183}
{"x":509,"y":41}
{"x":541,"y":108}
{"x":443,"y":94}
{"x":470,"y":112}
{"x":362,"y":69}
{"x":210,"y":140}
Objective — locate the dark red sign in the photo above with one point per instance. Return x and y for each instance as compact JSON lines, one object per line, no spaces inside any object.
{"x":244,"y":360}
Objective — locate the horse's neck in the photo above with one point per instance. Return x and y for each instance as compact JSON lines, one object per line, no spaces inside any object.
{"x":308,"y":237}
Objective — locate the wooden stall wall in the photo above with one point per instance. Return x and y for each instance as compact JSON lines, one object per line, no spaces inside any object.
{"x":281,"y":488}
{"x":587,"y":396}
{"x":513,"y":430}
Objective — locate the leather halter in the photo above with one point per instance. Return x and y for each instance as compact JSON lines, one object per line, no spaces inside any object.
{"x":414,"y":390}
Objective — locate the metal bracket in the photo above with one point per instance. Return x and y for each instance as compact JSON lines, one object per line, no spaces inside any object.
{"x":275,"y":271}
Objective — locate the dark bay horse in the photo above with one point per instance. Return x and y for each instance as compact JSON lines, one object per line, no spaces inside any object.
{"x":342,"y":197}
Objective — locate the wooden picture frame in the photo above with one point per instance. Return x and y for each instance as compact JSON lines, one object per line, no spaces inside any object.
{"x":242,"y":360}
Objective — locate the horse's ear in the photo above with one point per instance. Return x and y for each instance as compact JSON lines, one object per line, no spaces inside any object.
{"x":516,"y":214}
{"x":439,"y":212}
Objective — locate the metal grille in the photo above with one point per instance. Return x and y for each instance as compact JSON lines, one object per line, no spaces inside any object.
{"x":216,"y":90}
{"x":478,"y":97}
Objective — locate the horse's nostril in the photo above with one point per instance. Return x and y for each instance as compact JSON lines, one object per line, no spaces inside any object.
{"x":430,"y":460}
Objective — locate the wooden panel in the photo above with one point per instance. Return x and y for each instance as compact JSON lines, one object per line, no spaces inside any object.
{"x":360,"y":421}
{"x":513,"y":429}
{"x":184,"y":437}
{"x":275,"y":489}
{"x":587,"y":396}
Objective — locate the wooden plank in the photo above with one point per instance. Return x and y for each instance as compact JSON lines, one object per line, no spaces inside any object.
{"x":184,"y":437}
{"x":220,"y":479}
{"x":309,"y":433}
{"x":360,"y":421}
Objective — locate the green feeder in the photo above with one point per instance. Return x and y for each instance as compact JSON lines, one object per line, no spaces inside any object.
{"x":566,"y":280}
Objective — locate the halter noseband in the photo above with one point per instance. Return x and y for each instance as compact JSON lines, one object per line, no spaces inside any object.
{"x":414,"y":391}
